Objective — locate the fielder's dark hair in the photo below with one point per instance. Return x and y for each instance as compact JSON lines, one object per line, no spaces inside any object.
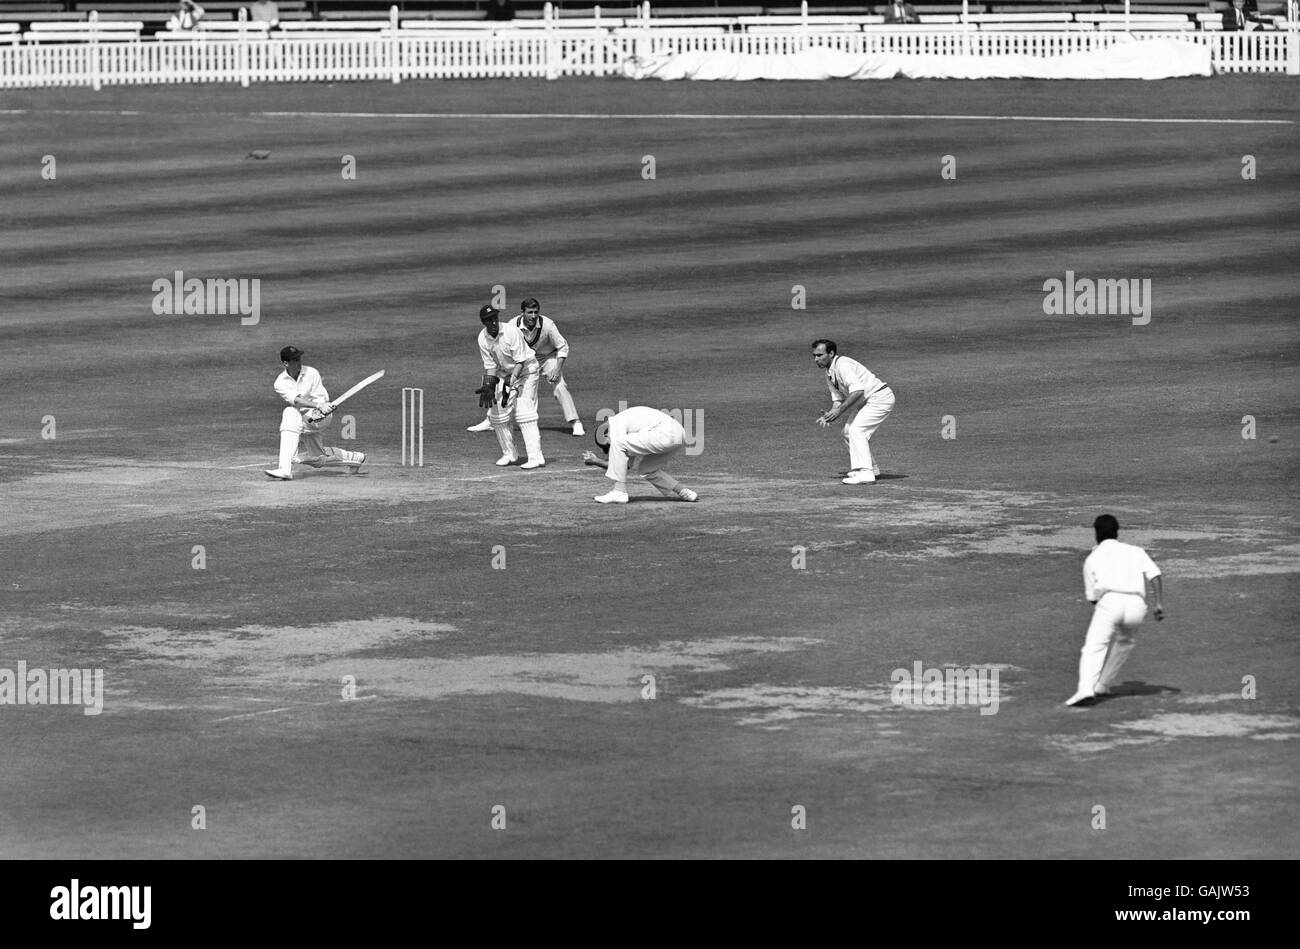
{"x":527,"y":302}
{"x":828,"y":343}
{"x":1107,"y":527}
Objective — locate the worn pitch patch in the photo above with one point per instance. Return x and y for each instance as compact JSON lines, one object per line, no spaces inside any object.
{"x":249,"y":661}
{"x":1215,"y":725}
{"x":773,"y":706}
{"x":1170,"y":726}
{"x":1277,"y":560}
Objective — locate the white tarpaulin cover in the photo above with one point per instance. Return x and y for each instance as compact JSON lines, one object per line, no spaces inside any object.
{"x":1126,"y":59}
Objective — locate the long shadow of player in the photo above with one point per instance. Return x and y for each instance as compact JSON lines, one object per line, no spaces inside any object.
{"x":1129,"y":689}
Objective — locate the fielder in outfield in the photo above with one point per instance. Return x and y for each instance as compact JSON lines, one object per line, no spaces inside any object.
{"x":1115,"y":578}
{"x":650,"y":437}
{"x":303,"y":418}
{"x":551,"y":349}
{"x":509,"y":390}
{"x":858,"y":397}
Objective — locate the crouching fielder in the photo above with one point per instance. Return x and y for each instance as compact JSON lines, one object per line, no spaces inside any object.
{"x":300,"y":441}
{"x":858,"y":397}
{"x":645,"y":439}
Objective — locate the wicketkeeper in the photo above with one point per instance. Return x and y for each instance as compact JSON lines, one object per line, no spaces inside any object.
{"x":509,"y":389}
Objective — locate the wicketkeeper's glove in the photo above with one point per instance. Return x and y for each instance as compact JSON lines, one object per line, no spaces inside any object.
{"x":487,"y":392}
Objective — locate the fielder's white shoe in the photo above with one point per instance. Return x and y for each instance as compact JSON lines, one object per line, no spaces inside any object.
{"x":483,"y":426}
{"x":578,"y":429}
{"x":859,"y":477}
{"x":686,"y":494}
{"x":279,"y":474}
{"x":506,"y":460}
{"x":1082,"y":698}
{"x":614,"y":497}
{"x":532,"y":463}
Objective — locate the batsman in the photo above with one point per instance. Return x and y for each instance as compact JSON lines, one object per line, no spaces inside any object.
{"x":509,"y":389}
{"x":308,"y":411}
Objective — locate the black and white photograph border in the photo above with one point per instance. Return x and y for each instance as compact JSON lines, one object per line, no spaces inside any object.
{"x":907,"y":346}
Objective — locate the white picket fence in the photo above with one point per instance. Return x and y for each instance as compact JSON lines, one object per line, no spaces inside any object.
{"x":548,"y":51}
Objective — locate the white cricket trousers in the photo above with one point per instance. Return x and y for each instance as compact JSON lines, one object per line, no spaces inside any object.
{"x":859,"y":429}
{"x":654,"y":446}
{"x":1115,"y":622}
{"x":561,"y":391}
{"x":300,"y":440}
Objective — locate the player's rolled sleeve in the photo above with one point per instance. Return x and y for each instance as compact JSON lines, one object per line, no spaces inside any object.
{"x":316,"y":391}
{"x":558,"y":341}
{"x":852,"y":380}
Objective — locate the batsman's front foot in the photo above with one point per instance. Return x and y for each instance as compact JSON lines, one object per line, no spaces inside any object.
{"x":686,"y":494}
{"x":532,"y":463}
{"x":506,"y":460}
{"x":859,"y":477}
{"x":361,"y":460}
{"x":483,"y":426}
{"x":578,"y":429}
{"x":279,"y":474}
{"x":614,"y":497}
{"x":1082,"y":699}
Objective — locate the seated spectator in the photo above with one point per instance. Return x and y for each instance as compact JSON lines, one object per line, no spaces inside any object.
{"x":187,"y":17}
{"x":1242,"y":15}
{"x":501,"y":9}
{"x":264,"y":11}
{"x":900,"y":11}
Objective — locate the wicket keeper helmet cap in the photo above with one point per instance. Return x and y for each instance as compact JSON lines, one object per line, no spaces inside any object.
{"x":290,"y":353}
{"x":602,"y":437}
{"x":488,"y":312}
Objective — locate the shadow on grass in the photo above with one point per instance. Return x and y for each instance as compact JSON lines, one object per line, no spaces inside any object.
{"x":1129,"y":689}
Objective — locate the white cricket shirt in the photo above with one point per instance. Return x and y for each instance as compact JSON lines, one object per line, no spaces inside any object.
{"x":1115,"y":567}
{"x":506,"y":351}
{"x":545,"y":339}
{"x":845,"y":376}
{"x":639,"y":418}
{"x":308,"y":385}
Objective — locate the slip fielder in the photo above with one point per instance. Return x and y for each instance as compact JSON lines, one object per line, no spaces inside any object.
{"x":509,"y":390}
{"x":861,"y":398}
{"x":301,"y":386}
{"x":551,"y":349}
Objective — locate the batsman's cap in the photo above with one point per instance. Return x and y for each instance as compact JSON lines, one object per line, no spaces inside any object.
{"x":290,"y":353}
{"x":488,"y":312}
{"x":602,"y":437}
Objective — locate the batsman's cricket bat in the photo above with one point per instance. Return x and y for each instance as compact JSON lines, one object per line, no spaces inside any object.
{"x":357,"y":388}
